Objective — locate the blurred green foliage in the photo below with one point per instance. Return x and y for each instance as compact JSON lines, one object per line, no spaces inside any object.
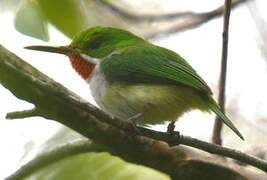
{"x":30,"y":20}
{"x":95,"y":166}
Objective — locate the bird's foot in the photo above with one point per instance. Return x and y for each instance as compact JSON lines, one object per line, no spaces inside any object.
{"x":176,"y":134}
{"x":171,"y":127}
{"x":133,"y":121}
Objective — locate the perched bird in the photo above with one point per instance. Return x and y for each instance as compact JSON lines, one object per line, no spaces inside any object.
{"x":129,"y":77}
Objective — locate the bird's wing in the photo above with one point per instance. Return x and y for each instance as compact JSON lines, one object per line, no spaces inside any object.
{"x":152,"y":64}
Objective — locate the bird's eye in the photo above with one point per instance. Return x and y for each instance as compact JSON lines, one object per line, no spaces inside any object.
{"x":95,"y":43}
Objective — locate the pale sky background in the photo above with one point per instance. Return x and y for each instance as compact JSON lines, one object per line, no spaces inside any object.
{"x":246,"y":82}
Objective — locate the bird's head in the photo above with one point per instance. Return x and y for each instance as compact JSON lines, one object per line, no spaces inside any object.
{"x":89,"y":47}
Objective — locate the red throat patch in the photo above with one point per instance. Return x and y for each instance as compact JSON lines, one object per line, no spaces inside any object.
{"x":81,"y":66}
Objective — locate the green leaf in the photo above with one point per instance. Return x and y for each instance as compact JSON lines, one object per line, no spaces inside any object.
{"x":30,"y":20}
{"x":8,"y":5}
{"x":67,"y":15}
{"x":95,"y":166}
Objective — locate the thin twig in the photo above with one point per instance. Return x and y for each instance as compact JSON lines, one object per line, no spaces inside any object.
{"x":63,"y":106}
{"x":205,"y":146}
{"x":23,"y":114}
{"x":190,"y":22}
{"x":181,"y":21}
{"x":144,"y":17}
{"x":83,"y":146}
{"x":226,"y":152}
{"x":156,"y":17}
{"x":216,"y":137}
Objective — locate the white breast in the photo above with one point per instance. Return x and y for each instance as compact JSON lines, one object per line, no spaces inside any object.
{"x":98,"y":85}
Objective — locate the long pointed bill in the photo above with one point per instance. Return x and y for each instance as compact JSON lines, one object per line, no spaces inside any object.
{"x":53,"y":49}
{"x":83,"y":66}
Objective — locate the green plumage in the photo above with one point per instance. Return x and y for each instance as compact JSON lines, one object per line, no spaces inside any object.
{"x":147,"y":64}
{"x":133,"y":76}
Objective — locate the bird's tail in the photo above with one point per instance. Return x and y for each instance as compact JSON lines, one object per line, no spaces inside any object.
{"x":216,"y":109}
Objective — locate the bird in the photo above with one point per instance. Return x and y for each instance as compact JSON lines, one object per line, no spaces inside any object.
{"x":131,"y":78}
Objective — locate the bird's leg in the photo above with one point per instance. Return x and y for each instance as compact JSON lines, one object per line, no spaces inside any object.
{"x":171,"y":126}
{"x":170,"y":130}
{"x":133,"y":120}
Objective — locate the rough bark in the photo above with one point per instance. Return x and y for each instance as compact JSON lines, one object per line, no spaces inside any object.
{"x":53,"y":101}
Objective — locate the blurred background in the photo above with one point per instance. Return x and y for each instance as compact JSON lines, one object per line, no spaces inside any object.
{"x":191,"y":28}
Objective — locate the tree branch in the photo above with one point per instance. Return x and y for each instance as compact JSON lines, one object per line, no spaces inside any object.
{"x":191,"y":20}
{"x":217,"y":129}
{"x":70,"y":110}
{"x":150,"y":18}
{"x":23,"y":114}
{"x":205,"y":146}
{"x":166,"y":24}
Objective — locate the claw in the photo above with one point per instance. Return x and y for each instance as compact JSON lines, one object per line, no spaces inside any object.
{"x":133,"y":121}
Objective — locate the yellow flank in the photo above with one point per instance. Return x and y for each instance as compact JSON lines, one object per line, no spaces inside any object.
{"x":157,"y":102}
